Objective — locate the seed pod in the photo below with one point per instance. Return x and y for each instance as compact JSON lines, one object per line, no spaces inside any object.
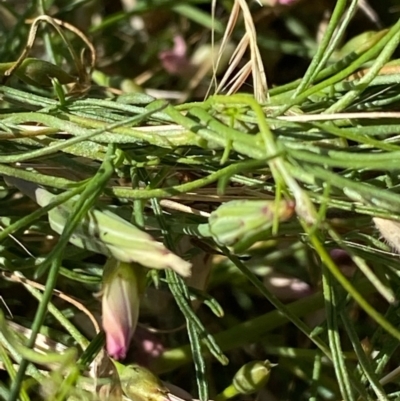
{"x":252,"y":377}
{"x":239,"y":224}
{"x":39,"y":73}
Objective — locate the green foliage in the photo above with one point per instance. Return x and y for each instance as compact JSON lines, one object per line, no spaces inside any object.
{"x":270,"y":203}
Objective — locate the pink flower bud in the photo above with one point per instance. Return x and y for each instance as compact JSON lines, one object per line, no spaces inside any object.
{"x":120,"y":303}
{"x":175,"y":60}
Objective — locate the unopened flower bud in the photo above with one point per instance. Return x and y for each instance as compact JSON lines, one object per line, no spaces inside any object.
{"x":123,"y":284}
{"x":104,"y":232}
{"x":252,"y":377}
{"x":139,"y":384}
{"x":39,"y":73}
{"x":239,"y":224}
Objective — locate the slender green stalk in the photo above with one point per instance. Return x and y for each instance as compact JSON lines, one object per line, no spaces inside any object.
{"x":68,"y":142}
{"x":364,"y":361}
{"x":279,"y":305}
{"x":25,"y":221}
{"x":339,"y":276}
{"x":69,"y":327}
{"x":344,"y":73}
{"x":362,"y":84}
{"x":86,"y":200}
{"x":331,"y":306}
{"x":315,"y":376}
{"x":37,"y":323}
{"x":11,"y":371}
{"x":128,"y":193}
{"x":250,"y":331}
{"x":322,"y":54}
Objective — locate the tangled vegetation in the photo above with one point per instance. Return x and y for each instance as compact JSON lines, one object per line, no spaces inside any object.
{"x":199,"y":199}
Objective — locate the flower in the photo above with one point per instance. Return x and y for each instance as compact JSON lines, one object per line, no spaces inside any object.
{"x":175,"y":60}
{"x":123,"y":284}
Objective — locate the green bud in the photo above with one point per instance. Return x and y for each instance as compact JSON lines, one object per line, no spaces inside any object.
{"x":40,"y":73}
{"x":239,"y":224}
{"x":252,"y":377}
{"x":104,"y":232}
{"x":139,"y":384}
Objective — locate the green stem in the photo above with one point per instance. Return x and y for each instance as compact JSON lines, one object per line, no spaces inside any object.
{"x":319,"y":58}
{"x":251,"y":331}
{"x":128,"y":193}
{"x":37,"y":323}
{"x":86,"y":200}
{"x":331,"y":307}
{"x":340,"y":278}
{"x":285,"y":311}
{"x":342,"y":74}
